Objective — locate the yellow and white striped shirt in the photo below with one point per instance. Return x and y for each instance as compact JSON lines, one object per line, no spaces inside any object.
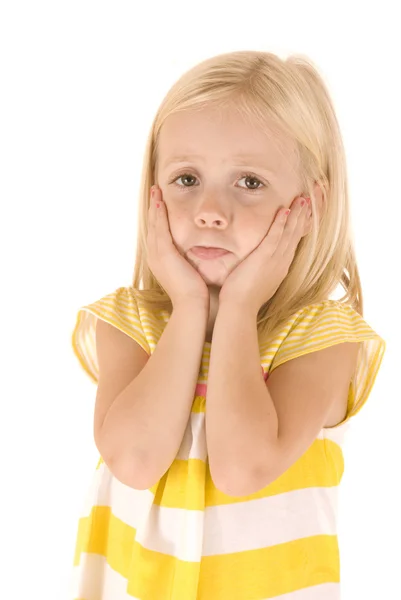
{"x":183,"y":539}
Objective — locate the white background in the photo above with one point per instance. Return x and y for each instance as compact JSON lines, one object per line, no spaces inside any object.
{"x":80,"y":84}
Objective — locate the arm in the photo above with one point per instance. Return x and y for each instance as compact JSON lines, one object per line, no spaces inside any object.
{"x":143,"y":428}
{"x":255,"y":430}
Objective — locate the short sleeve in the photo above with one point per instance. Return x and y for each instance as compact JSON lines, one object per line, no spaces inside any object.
{"x":120,"y":308}
{"x":322,"y":325}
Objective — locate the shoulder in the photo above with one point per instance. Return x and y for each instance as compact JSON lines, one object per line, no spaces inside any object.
{"x":318,"y":326}
{"x":331,"y":339}
{"x":119,"y":308}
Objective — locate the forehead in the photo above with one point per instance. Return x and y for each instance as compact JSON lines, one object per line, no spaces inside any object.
{"x":226,"y":136}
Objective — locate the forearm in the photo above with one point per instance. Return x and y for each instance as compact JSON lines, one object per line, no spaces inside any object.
{"x":146,"y":422}
{"x":241,"y":420}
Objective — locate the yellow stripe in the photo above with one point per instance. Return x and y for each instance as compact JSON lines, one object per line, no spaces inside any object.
{"x":199,"y":404}
{"x":262,"y":573}
{"x":317,"y":315}
{"x":102,"y":533}
{"x":319,"y":342}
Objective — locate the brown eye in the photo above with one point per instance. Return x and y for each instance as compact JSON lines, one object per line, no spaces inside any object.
{"x":185,"y":176}
{"x":254,"y":182}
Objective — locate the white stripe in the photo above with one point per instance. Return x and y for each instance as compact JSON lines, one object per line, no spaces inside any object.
{"x":193,"y":443}
{"x":265,"y":522}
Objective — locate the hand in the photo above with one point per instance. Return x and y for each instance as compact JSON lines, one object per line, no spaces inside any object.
{"x":173,"y":272}
{"x":257,"y":278}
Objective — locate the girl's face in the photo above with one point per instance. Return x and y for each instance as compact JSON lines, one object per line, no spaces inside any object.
{"x":223,"y":181}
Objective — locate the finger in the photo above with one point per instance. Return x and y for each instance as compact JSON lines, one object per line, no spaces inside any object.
{"x":151,"y":210}
{"x":162,"y":229}
{"x":295,"y":228}
{"x":304,"y":220}
{"x":274,"y":238}
{"x":156,"y":234}
{"x":152,"y":238}
{"x":277,"y":228}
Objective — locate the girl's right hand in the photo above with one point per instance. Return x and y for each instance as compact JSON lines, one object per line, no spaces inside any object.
{"x":174,"y":273}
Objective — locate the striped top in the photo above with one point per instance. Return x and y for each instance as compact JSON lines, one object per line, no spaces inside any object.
{"x":183,"y":539}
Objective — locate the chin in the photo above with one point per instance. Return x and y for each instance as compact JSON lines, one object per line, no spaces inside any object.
{"x":213,"y":275}
{"x":211,"y":282}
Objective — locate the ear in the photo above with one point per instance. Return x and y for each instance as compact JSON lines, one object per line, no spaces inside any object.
{"x":319,"y":206}
{"x":319,"y":199}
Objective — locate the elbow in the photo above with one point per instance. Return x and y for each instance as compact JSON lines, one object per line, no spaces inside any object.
{"x":128,"y":470}
{"x":241,"y":486}
{"x":245,"y":483}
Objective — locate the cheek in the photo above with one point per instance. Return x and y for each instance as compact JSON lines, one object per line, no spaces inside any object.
{"x":178,"y":227}
{"x":253,"y":232}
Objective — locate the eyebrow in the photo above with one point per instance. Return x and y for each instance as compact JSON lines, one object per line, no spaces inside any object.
{"x":245,"y":159}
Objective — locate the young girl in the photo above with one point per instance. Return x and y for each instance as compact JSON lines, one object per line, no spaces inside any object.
{"x":227,"y":374}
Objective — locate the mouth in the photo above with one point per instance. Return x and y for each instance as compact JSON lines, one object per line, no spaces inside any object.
{"x":206,"y":252}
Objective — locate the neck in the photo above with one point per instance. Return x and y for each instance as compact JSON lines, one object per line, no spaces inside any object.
{"x":213,"y":309}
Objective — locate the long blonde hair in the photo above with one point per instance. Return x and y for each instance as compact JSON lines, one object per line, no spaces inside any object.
{"x":293,"y":96}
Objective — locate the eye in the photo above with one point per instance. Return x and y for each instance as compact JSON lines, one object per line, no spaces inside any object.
{"x":249,"y":176}
{"x":253,"y":179}
{"x":183,"y":176}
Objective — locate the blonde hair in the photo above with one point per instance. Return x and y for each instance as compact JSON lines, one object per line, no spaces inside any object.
{"x":292,"y":95}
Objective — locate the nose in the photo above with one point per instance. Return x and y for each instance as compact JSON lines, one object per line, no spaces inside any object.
{"x":210,"y":214}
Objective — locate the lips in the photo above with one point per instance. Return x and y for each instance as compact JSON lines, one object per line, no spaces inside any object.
{"x":207,"y":253}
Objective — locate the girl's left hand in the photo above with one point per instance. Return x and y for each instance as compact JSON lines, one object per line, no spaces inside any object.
{"x":257,"y":278}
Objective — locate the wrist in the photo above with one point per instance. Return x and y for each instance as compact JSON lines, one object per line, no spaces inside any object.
{"x":199,"y":305}
{"x":234,"y":305}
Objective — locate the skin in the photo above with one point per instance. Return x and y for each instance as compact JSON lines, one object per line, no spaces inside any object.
{"x":211,"y":200}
